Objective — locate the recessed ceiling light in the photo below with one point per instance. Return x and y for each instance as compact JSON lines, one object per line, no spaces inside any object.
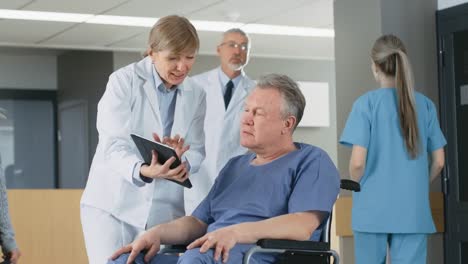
{"x":122,"y":20}
{"x":288,"y":30}
{"x":43,"y":16}
{"x":218,"y":26}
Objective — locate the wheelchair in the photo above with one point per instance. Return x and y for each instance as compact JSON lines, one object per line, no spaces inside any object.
{"x":292,"y":251}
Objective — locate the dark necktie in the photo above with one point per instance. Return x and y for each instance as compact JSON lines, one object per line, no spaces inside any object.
{"x":228,"y":93}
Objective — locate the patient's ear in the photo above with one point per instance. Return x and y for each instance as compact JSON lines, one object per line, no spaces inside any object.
{"x":289,"y":123}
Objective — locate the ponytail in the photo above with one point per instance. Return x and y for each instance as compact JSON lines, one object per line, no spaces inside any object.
{"x":389,"y":54}
{"x":406,"y":104}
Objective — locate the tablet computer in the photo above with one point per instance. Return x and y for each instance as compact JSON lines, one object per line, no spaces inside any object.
{"x":145,"y":147}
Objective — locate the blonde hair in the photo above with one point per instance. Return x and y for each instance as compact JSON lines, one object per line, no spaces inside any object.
{"x":389,"y":54}
{"x":174,"y":33}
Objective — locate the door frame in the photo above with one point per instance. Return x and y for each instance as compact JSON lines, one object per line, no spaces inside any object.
{"x":450,"y":21}
{"x":63,"y":106}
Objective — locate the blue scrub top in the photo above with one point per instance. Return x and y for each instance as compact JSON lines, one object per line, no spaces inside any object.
{"x":303,"y":180}
{"x":394,"y":195}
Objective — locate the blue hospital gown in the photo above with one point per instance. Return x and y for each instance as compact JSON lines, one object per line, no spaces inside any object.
{"x":303,"y":180}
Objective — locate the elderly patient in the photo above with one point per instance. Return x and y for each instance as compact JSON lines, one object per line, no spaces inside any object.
{"x":281,"y":190}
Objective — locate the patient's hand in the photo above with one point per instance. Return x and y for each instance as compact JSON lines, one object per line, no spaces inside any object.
{"x":221,"y":240}
{"x":148,"y":241}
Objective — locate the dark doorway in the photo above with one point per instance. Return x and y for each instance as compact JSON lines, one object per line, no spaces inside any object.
{"x":453,"y":86}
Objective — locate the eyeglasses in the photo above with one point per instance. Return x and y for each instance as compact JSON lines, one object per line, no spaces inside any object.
{"x":234,"y":45}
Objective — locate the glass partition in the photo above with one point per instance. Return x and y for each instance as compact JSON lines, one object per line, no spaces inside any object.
{"x":27,"y":138}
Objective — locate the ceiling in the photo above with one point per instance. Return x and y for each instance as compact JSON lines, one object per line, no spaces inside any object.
{"x":67,"y":35}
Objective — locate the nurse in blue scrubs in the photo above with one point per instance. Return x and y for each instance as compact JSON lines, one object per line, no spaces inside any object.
{"x":392,"y":131}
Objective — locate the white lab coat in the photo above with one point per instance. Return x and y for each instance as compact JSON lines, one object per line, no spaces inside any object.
{"x":130,"y":105}
{"x":222,"y":133}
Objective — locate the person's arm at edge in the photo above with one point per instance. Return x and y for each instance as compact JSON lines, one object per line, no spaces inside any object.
{"x":357,"y":163}
{"x":437,"y":163}
{"x":7,"y":235}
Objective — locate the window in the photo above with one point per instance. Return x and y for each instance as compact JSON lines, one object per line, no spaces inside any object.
{"x":28,"y":150}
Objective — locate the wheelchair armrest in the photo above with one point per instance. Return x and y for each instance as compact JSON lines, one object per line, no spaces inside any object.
{"x":293,"y":245}
{"x":350,"y":185}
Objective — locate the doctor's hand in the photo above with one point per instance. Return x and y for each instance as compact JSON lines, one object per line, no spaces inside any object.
{"x":149,"y":241}
{"x":221,"y":240}
{"x":156,"y":170}
{"x":177,"y":143}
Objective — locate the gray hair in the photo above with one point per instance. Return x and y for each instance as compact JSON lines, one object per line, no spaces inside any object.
{"x":293,"y":100}
{"x":237,"y":31}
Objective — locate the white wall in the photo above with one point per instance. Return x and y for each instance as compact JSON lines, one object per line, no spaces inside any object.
{"x":28,"y":71}
{"x":442,"y":4}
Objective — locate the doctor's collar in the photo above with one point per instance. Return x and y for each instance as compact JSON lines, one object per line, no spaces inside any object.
{"x":159,"y":84}
{"x":224,"y":79}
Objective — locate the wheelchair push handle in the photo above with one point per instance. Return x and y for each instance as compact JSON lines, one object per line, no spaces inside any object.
{"x":350,"y":185}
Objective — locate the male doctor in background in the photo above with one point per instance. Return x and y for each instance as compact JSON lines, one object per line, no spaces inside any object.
{"x":226,"y":88}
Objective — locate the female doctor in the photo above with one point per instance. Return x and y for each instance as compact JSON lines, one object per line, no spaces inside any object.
{"x":124,"y":196}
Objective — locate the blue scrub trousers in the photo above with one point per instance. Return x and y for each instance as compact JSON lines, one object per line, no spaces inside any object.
{"x":193,"y":256}
{"x":160,"y":259}
{"x":371,"y":248}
